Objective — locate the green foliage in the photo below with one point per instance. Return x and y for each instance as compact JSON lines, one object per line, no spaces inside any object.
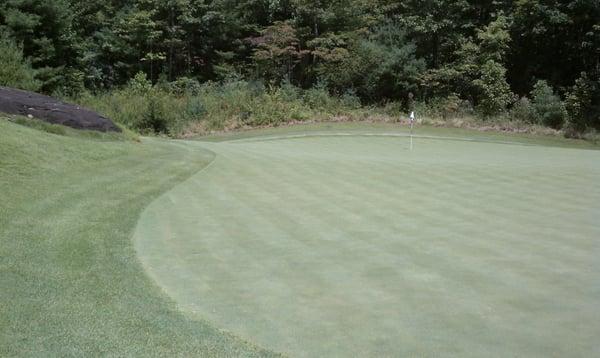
{"x":477,"y":72}
{"x":494,"y":40}
{"x":277,"y":51}
{"x":317,"y":96}
{"x":523,"y":111}
{"x":549,"y":109}
{"x":15,"y":71}
{"x":583,"y":104}
{"x":72,"y":84}
{"x":140,"y":84}
{"x":185,"y":85}
{"x":378,"y":50}
{"x":379,"y":64}
{"x":553,"y":39}
{"x":494,"y":91}
{"x":44,"y":28}
{"x":217,"y":106}
{"x":445,"y":108}
{"x":154,"y":118}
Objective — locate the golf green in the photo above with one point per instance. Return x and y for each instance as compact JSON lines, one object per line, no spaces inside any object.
{"x":355,"y":245}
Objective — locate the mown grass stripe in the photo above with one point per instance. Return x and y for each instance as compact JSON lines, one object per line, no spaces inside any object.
{"x":340,"y":245}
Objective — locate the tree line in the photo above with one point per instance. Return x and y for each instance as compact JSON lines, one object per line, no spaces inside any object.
{"x":535,"y":57}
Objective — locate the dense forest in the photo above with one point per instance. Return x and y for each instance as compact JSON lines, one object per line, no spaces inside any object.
{"x":538,"y":60}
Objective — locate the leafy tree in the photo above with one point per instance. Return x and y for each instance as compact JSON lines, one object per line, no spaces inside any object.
{"x":277,"y":51}
{"x":583,"y":104}
{"x":44,"y":28}
{"x":438,"y":26}
{"x":554,"y":40}
{"x":379,"y":64}
{"x":494,"y":91}
{"x":477,"y":71}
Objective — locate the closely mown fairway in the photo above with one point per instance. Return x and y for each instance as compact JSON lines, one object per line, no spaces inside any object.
{"x":70,"y":283}
{"x":356,"y":246}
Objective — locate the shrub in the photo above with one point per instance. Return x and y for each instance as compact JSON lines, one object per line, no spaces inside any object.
{"x":72,"y":83}
{"x":185,"y":85}
{"x":449,"y":107}
{"x":494,"y":91}
{"x":154,"y":118}
{"x":195,"y":108}
{"x":549,"y":109}
{"x":583,"y":105}
{"x":289,"y":92}
{"x":523,"y":111}
{"x":15,"y":70}
{"x":140,"y":84}
{"x":350,"y":99}
{"x":232,"y":104}
{"x":317,"y":96}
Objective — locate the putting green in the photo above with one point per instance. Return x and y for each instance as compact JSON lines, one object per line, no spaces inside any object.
{"x":357,"y":246}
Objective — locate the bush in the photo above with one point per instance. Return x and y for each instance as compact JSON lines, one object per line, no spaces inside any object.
{"x":317,"y":96}
{"x":494,"y":91}
{"x":195,"y":108}
{"x":15,"y":70}
{"x":583,"y":105}
{"x":445,"y":108}
{"x":154,"y":118}
{"x":549,"y":109}
{"x":140,"y":84}
{"x":185,"y":85}
{"x":350,"y":99}
{"x":523,"y":111}
{"x":229,"y":105}
{"x":72,"y":84}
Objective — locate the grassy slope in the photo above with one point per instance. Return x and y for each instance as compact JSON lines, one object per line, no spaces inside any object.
{"x":70,"y":283}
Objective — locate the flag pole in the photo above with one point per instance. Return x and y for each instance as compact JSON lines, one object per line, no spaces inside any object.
{"x":412,"y":120}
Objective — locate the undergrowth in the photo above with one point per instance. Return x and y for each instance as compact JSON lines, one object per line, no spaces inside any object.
{"x":187,"y":108}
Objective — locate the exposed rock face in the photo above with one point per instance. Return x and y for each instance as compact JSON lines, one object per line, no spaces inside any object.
{"x":52,"y":110}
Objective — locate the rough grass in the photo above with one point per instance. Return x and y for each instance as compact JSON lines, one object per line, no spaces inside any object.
{"x":70,"y":282}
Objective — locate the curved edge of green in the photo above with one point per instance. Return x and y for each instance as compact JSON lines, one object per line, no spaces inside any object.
{"x":325,"y":128}
{"x":71,"y":283}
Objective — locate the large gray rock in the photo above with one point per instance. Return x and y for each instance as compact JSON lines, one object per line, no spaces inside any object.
{"x":52,"y":110}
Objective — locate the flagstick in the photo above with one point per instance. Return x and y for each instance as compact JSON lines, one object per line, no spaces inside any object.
{"x":411,"y":130}
{"x":411,"y":144}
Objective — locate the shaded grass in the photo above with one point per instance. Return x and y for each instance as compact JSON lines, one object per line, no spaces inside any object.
{"x":70,"y":282}
{"x":125,"y":134}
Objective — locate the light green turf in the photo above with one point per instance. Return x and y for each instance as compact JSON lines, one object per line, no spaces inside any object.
{"x":70,"y":282}
{"x":355,"y":246}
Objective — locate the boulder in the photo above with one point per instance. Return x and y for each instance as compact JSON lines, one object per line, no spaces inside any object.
{"x":52,"y":110}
